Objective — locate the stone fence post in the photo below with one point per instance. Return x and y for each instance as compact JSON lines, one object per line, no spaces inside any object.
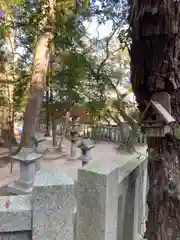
{"x":53,"y":203}
{"x":135,"y":203}
{"x":97,"y":201}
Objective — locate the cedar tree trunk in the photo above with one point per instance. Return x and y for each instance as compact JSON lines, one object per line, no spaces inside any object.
{"x":155,"y":56}
{"x":40,"y":67}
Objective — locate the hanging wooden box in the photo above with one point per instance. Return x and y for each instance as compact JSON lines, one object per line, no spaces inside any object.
{"x":156,"y":120}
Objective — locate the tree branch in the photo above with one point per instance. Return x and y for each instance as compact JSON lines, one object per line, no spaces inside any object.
{"x":107,"y":50}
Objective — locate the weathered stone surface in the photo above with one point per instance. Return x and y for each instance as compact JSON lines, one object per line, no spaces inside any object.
{"x":26,"y":235}
{"x":15,"y":213}
{"x":53,"y":206}
{"x":97,"y":201}
{"x":132,"y":200}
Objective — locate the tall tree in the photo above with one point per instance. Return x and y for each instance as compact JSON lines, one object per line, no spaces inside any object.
{"x":55,"y":18}
{"x":40,"y":67}
{"x":7,"y":75}
{"x":155,"y":55}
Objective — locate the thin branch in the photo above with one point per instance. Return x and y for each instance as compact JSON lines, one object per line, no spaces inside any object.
{"x":114,"y":118}
{"x":108,"y":53}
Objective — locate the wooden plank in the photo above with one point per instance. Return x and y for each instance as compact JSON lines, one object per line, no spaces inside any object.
{"x":164,"y":99}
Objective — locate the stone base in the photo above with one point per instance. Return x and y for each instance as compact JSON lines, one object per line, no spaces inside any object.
{"x":19,"y":188}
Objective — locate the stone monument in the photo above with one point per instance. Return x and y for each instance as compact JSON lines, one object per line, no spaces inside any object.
{"x":29,"y":166}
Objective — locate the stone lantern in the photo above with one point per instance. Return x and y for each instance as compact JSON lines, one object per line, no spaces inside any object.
{"x":29,"y":165}
{"x":74,"y":130}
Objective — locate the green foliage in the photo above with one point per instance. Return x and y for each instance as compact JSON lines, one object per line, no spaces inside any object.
{"x":72,"y":79}
{"x":7,"y":2}
{"x":20,"y":90}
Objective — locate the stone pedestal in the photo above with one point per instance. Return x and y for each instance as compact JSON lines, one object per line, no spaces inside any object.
{"x":97,"y":201}
{"x":73,"y":149}
{"x":29,"y":165}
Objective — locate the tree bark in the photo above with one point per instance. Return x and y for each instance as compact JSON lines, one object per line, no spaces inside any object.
{"x":47,"y":132}
{"x":7,"y":77}
{"x":64,"y":129}
{"x":53,"y":120}
{"x":40,"y":67}
{"x":155,"y":54}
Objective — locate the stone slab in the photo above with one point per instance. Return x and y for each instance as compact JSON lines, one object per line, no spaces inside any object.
{"x":97,"y":201}
{"x":15,"y":213}
{"x":131,"y":165}
{"x":52,"y":177}
{"x":100,"y":167}
{"x":16,"y":236}
{"x":18,"y":188}
{"x":54,"y":191}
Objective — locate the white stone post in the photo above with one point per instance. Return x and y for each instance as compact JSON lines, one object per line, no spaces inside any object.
{"x":29,"y":165}
{"x":97,"y":201}
{"x":53,"y":203}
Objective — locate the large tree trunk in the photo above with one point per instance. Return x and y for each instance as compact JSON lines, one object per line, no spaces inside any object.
{"x":40,"y":67}
{"x":155,"y":54}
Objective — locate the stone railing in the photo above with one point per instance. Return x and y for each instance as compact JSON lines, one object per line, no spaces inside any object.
{"x":107,"y":201}
{"x":107,"y":133}
{"x":111,"y":200}
{"x":99,"y":133}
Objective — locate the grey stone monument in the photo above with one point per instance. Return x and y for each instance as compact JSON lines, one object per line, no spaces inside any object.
{"x":16,"y":216}
{"x":53,"y":204}
{"x":29,"y":165}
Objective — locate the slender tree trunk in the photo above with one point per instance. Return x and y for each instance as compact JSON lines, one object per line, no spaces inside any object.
{"x":7,"y":77}
{"x":155,"y":54}
{"x":53,"y":120}
{"x":64,"y":129}
{"x":47,"y":133}
{"x":38,"y":82}
{"x":122,"y":131}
